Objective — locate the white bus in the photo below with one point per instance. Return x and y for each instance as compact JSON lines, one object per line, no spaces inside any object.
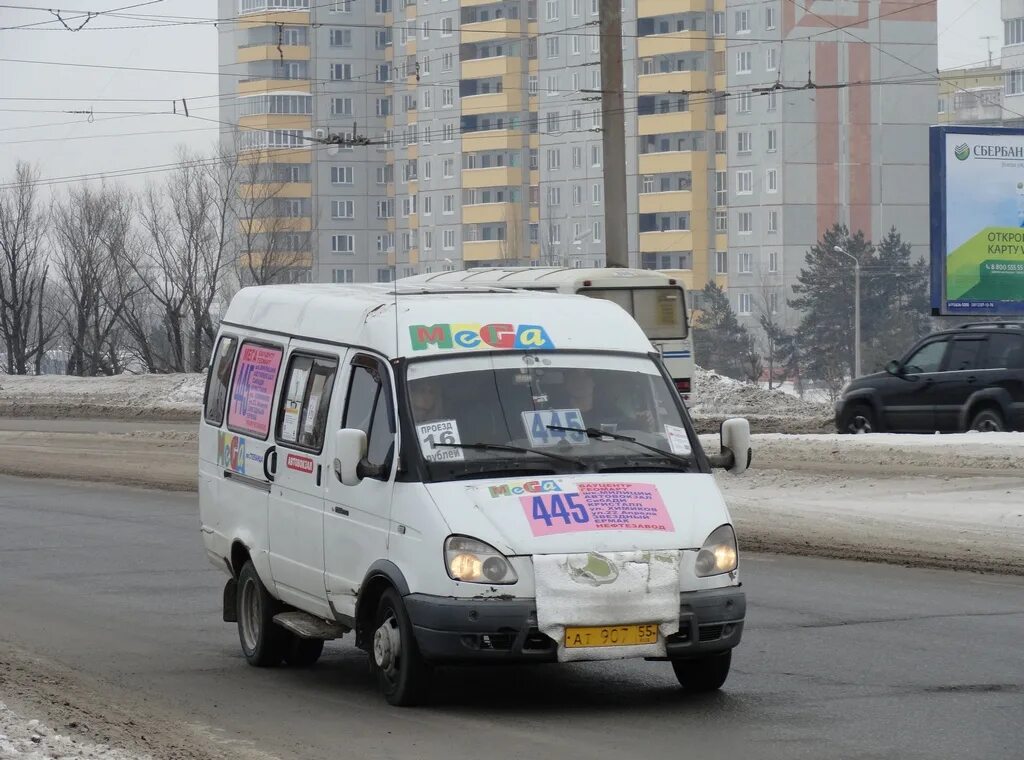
{"x":657,"y":302}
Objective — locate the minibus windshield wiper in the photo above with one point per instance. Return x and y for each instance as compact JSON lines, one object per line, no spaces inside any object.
{"x":518,"y":449}
{"x":595,"y":433}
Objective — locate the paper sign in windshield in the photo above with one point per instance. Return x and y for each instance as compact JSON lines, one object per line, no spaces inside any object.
{"x":678,"y":440}
{"x":597,"y":506}
{"x":442,"y":432}
{"x":252,"y":393}
{"x":539,"y":426}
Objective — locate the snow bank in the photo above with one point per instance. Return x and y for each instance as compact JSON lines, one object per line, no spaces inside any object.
{"x":122,"y":396}
{"x":31,"y":740}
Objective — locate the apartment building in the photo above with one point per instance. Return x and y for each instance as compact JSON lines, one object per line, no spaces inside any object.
{"x":801,"y":160}
{"x":972,"y":95}
{"x":484,"y":124}
{"x":1012,"y":62}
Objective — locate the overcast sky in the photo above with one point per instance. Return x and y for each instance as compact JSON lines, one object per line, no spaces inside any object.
{"x":66,"y":145}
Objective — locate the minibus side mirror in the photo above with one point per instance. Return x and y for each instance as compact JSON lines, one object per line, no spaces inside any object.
{"x":349,"y":451}
{"x":736,"y":453}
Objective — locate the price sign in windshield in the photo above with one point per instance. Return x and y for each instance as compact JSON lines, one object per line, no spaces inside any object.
{"x":538,"y":426}
{"x":445,"y":433}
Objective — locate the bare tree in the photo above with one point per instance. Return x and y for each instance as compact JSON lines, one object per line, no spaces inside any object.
{"x":268,"y":246}
{"x":773,"y":335}
{"x":91,"y":230}
{"x":513,"y":247}
{"x":26,"y":326}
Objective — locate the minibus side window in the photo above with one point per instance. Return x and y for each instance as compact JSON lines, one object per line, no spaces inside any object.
{"x":252,"y":390}
{"x":218,"y":379}
{"x":305,"y":402}
{"x":369,"y":409}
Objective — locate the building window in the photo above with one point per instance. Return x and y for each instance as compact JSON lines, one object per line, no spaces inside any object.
{"x":719,"y":24}
{"x":425,"y":31}
{"x":771,"y":59}
{"x":343,"y":244}
{"x":772,"y":141}
{"x":577,"y":45}
{"x":773,"y":302}
{"x":448,"y":132}
{"x":448,"y":168}
{"x":552,"y":47}
{"x":769,"y":18}
{"x":744,"y":182}
{"x":341,"y":275}
{"x":532,"y":84}
{"x":449,"y":205}
{"x":428,"y":205}
{"x":745,"y":222}
{"x":341,"y":175}
{"x":341,"y":71}
{"x":746,"y":304}
{"x":383,"y":275}
{"x":721,"y":262}
{"x":1015,"y":82}
{"x":1014,"y":29}
{"x":552,"y":10}
{"x":449,"y":240}
{"x":744,"y":60}
{"x":447,"y":97}
{"x":595,"y":155}
{"x":771,"y":181}
{"x":553,"y":121}
{"x":555,"y":234}
{"x":577,"y":195}
{"x":745,"y":263}
{"x":743,"y":103}
{"x":428,"y":240}
{"x":595,"y":194}
{"x":577,"y":157}
{"x":554,"y":158}
{"x":721,"y":221}
{"x":554,"y":196}
{"x":341,"y":38}
{"x":721,"y":141}
{"x":772,"y":100}
{"x":773,"y":221}
{"x":744,"y":142}
{"x":721,"y":188}
{"x":743,"y":22}
{"x":446,"y":26}
{"x":341,"y":106}
{"x":773,"y":261}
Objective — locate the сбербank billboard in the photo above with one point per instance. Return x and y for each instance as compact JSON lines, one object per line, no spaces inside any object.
{"x":977,"y":220}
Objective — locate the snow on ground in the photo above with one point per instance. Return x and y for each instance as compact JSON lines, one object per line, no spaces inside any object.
{"x":717,"y":395}
{"x":31,"y":740}
{"x":159,"y":396}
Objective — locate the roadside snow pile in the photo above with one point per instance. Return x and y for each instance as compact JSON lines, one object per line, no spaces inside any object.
{"x":153,"y":396}
{"x":717,"y":395}
{"x":31,"y":740}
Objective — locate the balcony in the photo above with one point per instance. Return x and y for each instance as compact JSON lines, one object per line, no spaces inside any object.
{"x":472,"y":3}
{"x":266,"y":85}
{"x":673,"y":42}
{"x":675,"y":121}
{"x":486,"y":213}
{"x":483,"y":250}
{"x":495,"y":29}
{"x":278,"y":155}
{"x":495,"y":102}
{"x":673,"y":81}
{"x":495,"y":66}
{"x":279,"y":224}
{"x":675,"y":200}
{"x":276,"y":121}
{"x":271,"y":53}
{"x":501,"y":176}
{"x":492,"y":139}
{"x":278,"y":190}
{"x":666,"y":242}
{"x":293,"y":259}
{"x":272,"y":18}
{"x":673,"y":161}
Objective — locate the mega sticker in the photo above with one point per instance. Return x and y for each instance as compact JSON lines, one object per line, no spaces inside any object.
{"x":597,"y":506}
{"x":477,"y":336}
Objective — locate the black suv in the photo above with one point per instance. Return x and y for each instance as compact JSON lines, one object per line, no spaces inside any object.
{"x":967,"y":378}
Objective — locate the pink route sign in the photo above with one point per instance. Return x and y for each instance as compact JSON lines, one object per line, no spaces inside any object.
{"x":252,"y":393}
{"x":597,"y":506}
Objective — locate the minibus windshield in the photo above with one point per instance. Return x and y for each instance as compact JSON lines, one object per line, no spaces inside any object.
{"x":546,"y":412}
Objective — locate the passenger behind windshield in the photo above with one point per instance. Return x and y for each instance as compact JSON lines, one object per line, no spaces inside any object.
{"x":519,"y":402}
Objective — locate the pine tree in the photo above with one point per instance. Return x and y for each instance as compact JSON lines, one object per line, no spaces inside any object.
{"x":721,"y":343}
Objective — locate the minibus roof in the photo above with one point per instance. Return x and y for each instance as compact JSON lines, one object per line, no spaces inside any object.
{"x":414,"y":321}
{"x":546,"y":277}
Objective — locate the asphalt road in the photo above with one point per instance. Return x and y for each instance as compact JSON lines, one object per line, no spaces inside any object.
{"x":839,"y":660}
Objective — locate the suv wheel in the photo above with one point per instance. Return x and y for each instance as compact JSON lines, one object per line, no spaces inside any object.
{"x":988,"y":421}
{"x":859,"y":418}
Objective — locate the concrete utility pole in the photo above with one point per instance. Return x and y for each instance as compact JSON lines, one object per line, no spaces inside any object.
{"x":613,"y":125}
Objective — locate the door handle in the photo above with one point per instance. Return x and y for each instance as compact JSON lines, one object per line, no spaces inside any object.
{"x":341,"y":511}
{"x":972,"y":379}
{"x":268,"y":468}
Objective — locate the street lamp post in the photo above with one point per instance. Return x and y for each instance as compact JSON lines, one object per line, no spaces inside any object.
{"x":856,"y":308}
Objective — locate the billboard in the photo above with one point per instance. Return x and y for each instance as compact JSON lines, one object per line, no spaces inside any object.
{"x":977,"y":221}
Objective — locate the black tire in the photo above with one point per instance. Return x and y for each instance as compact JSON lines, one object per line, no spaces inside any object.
{"x":704,"y":674}
{"x":859,"y":418}
{"x":402,"y":674}
{"x":988,"y":420}
{"x":263,"y":641}
{"x":303,"y":653}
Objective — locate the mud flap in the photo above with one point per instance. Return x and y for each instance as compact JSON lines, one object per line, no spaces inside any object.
{"x":231,"y":601}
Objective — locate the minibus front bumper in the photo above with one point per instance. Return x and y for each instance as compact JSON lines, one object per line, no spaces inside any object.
{"x":487,"y":629}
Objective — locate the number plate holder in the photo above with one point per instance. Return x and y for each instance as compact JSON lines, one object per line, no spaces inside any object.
{"x":577,"y":637}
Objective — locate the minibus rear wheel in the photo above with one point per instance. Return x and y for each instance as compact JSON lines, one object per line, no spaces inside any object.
{"x":704,"y":674}
{"x":402,"y":674}
{"x":263,"y":641}
{"x":303,"y":653}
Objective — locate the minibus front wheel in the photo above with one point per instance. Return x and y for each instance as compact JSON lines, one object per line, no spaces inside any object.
{"x":703,"y":674}
{"x":402,"y":674}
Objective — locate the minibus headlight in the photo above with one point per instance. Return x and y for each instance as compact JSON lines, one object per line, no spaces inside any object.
{"x":718,"y":555}
{"x":472,"y":561}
